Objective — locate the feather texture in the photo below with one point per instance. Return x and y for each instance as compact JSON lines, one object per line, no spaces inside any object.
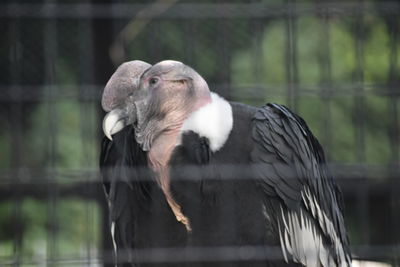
{"x":136,"y":202}
{"x":310,"y":220}
{"x":266,"y":184}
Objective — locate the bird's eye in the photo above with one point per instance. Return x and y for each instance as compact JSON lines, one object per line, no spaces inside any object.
{"x":153,"y":81}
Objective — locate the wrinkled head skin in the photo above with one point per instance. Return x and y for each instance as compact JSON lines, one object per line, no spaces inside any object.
{"x":115,"y":100}
{"x":168,"y":93}
{"x":174,"y":91}
{"x":122,"y":83}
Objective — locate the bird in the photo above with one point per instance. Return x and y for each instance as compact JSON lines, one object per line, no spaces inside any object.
{"x":184,"y":168}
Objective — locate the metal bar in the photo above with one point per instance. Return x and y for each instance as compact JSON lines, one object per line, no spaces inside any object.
{"x":291,"y":57}
{"x":258,"y":66}
{"x":394,"y":128}
{"x":207,"y":254}
{"x":189,"y":30}
{"x":325,"y":82}
{"x":50,"y":55}
{"x":154,"y":41}
{"x":15,"y":124}
{"x":103,"y":34}
{"x":39,"y":190}
{"x":90,"y":92}
{"x":67,"y":178}
{"x":193,"y":10}
{"x":87,"y":118}
{"x":359,"y":123}
{"x":393,"y":110}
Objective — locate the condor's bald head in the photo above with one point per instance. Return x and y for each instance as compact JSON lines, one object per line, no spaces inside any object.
{"x":177,"y":83}
{"x":168,"y":93}
{"x":116,"y":95}
{"x":123,"y":82}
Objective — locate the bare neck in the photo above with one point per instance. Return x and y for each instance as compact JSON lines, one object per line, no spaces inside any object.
{"x":161,"y":151}
{"x":159,"y":156}
{"x":162,"y":147}
{"x":164,"y":144}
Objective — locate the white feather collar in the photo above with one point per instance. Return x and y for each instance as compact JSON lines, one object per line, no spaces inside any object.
{"x":213,"y":121}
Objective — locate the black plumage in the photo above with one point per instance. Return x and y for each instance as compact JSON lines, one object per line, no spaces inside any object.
{"x":137,"y":205}
{"x":300,"y":179}
{"x":268,"y":186}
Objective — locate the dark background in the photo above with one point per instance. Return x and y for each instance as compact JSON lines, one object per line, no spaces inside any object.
{"x":337,"y":64}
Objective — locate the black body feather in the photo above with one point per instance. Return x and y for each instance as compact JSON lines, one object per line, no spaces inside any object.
{"x":138,"y":207}
{"x":244,"y":195}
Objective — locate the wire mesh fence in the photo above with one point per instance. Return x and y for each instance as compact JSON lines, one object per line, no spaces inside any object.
{"x":337,"y":64}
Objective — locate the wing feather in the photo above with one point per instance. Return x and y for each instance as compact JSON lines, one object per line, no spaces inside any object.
{"x":290,"y":163}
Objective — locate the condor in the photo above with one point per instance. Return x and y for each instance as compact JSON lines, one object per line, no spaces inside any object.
{"x":185,"y":169}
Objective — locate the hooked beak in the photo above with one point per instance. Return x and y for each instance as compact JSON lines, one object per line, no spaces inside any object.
{"x":116,"y":120}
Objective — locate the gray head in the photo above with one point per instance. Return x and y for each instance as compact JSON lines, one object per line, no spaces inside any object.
{"x":122,"y":83}
{"x":121,"y":86}
{"x":168,"y":93}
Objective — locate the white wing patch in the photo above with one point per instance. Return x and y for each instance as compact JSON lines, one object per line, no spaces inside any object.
{"x":213,"y":121}
{"x":113,"y":237}
{"x":327,"y":226}
{"x":301,"y":240}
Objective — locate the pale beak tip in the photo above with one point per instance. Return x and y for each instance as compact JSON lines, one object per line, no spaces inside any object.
{"x":109,"y":136}
{"x":107,"y":132}
{"x":114,"y":122}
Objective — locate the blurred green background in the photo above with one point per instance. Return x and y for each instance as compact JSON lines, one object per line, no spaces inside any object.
{"x":337,"y":64}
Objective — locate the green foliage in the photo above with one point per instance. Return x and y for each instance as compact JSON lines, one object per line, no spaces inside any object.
{"x":342,"y":53}
{"x":310,"y":44}
{"x":312,"y":108}
{"x":34,"y":218}
{"x":79,"y":228}
{"x":377,"y":124}
{"x":274,"y":57}
{"x":273,"y":60}
{"x":62,"y":122}
{"x":70,"y":231}
{"x":343,"y":135}
{"x":377,"y":52}
{"x":62,"y":137}
{"x":6,"y":226}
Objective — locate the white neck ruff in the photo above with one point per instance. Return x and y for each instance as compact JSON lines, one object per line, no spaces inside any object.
{"x":213,"y":121}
